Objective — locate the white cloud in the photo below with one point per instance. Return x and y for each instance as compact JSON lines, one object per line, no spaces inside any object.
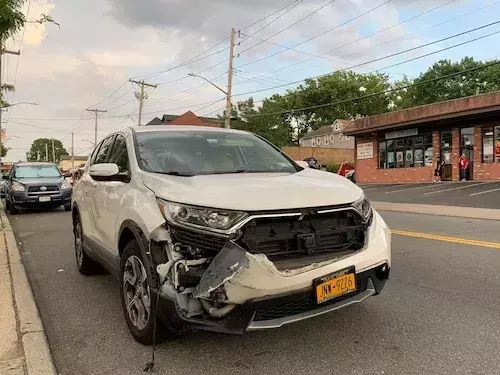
{"x":102,"y":43}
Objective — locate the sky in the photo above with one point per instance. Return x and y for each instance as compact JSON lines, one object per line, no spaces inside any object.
{"x":101,"y":44}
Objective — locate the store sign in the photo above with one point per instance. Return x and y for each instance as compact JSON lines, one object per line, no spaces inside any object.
{"x":401,"y":133}
{"x":365,"y":151}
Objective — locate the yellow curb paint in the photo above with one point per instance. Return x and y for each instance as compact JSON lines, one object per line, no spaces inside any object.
{"x":436,"y":237}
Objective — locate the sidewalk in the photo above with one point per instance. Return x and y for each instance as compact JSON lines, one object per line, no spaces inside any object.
{"x":23,"y":346}
{"x":428,"y":209}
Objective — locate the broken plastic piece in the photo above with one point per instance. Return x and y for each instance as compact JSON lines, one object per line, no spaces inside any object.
{"x":227,"y":263}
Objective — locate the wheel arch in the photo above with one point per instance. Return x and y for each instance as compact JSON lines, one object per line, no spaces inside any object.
{"x":129,"y":230}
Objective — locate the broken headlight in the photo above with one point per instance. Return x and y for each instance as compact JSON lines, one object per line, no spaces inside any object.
{"x":210,"y":218}
{"x":364,"y":208}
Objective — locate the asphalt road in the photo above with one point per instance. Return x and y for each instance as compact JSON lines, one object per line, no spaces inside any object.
{"x":439,"y":313}
{"x":467,"y":194}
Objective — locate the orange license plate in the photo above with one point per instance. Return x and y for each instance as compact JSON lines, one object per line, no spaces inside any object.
{"x":335,"y":285}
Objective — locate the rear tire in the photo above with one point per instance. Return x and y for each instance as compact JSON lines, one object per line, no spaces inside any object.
{"x":85,"y":264}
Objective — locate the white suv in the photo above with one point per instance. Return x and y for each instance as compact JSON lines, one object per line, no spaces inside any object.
{"x":217,"y":229}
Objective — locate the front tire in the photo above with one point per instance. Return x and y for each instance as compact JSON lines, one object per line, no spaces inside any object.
{"x":85,"y":264}
{"x":136,"y":294}
{"x":67,"y":207}
{"x":12,"y":209}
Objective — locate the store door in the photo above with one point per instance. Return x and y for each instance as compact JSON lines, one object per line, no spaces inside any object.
{"x":446,"y":155}
{"x":467,"y":149}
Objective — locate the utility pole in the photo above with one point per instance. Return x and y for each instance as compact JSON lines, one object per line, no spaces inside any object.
{"x":53,"y":152}
{"x":46,"y":152}
{"x":141,"y":96}
{"x":3,"y":51}
{"x":96,"y":111}
{"x":72,"y":150}
{"x":230,"y":80}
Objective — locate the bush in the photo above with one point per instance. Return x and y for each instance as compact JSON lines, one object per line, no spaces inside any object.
{"x":333,"y":168}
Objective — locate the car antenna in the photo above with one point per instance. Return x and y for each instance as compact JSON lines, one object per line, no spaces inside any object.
{"x":151,"y":365}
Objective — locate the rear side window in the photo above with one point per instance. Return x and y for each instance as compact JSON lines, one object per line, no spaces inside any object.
{"x":104,"y":151}
{"x":119,"y":154}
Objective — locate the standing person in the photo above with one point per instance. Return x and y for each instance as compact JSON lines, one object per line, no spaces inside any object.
{"x":463,"y":163}
{"x":438,"y":171}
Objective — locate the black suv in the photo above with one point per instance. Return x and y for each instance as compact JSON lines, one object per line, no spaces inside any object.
{"x":35,"y":186}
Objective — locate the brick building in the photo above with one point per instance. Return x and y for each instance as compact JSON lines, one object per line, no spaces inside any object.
{"x":406,"y":145}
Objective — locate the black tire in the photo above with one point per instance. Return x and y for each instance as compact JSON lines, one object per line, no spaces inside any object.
{"x":85,"y":264}
{"x":12,"y":209}
{"x":141,"y":327}
{"x":67,"y":207}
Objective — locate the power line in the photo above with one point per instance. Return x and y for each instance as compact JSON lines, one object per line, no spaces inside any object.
{"x":274,"y":20}
{"x":270,"y":15}
{"x":378,"y":92}
{"x":288,"y":27}
{"x":322,"y":55}
{"x":317,"y":36}
{"x":395,"y":54}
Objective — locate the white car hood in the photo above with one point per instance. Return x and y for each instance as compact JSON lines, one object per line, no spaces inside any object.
{"x":256,"y":191}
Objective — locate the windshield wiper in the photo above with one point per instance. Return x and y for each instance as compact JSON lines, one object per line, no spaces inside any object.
{"x":175,"y":173}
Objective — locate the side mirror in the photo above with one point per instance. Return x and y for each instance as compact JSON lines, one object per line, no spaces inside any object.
{"x":104,"y":171}
{"x":303,"y":164}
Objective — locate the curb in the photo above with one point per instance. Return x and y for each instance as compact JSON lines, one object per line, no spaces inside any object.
{"x":451,"y":211}
{"x":32,"y":333}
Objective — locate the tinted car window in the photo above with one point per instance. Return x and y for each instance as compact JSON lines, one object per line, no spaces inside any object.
{"x":119,"y":154}
{"x":104,"y":150}
{"x":190,"y":153}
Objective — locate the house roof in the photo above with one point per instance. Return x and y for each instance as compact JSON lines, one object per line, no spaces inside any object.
{"x":327,"y":129}
{"x":471,"y":106}
{"x":188,"y":118}
{"x":155,"y":121}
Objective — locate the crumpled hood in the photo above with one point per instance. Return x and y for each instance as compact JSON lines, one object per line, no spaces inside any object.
{"x":256,"y":191}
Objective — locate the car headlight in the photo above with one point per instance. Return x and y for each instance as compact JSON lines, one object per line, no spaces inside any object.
{"x":210,"y":218}
{"x":65,"y":185}
{"x":364,"y":208}
{"x":18,"y":187}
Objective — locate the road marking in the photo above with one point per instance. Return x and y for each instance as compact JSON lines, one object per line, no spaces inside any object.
{"x":437,"y":237}
{"x":484,"y":192}
{"x":458,"y":188}
{"x":371,"y":187}
{"x":412,"y":188}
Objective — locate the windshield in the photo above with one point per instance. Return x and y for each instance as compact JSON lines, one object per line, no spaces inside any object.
{"x":189,"y":153}
{"x":37,"y":171}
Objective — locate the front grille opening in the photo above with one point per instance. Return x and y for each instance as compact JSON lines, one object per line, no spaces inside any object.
{"x":37,"y":189}
{"x":208,"y":244}
{"x":283,"y":239}
{"x":304,"y":303}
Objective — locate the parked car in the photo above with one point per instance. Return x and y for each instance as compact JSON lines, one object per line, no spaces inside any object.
{"x":217,"y":229}
{"x":35,"y":186}
{"x":2,"y":183}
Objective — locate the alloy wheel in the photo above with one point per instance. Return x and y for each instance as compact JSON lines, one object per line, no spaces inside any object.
{"x":79,"y":244}
{"x":136,"y":292}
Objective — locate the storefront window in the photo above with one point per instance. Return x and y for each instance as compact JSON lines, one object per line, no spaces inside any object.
{"x":491,"y":144}
{"x":408,"y":152}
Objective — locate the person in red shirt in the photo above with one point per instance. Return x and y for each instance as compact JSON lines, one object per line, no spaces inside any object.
{"x":463,"y":163}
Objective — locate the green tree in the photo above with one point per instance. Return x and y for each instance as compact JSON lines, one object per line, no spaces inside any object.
{"x":42,"y":147}
{"x":12,"y":18}
{"x":4,"y":150}
{"x":458,"y":86}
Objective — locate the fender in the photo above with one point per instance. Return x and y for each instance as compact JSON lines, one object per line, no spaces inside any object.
{"x":143,"y":248}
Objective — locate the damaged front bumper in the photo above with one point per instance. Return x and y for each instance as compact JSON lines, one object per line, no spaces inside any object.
{"x":276,"y":311}
{"x":238,"y":291}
